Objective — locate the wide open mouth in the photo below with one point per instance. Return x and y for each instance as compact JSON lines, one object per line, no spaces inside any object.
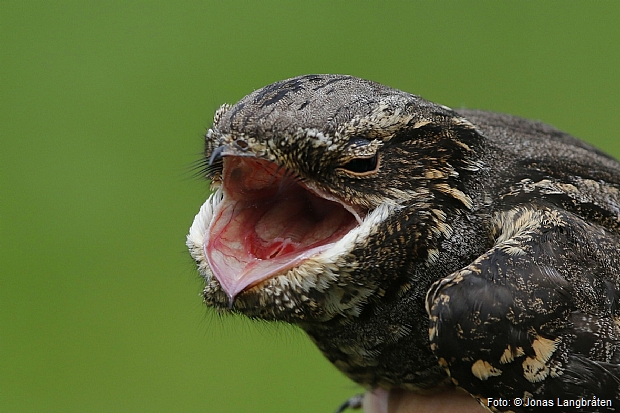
{"x":267,"y":223}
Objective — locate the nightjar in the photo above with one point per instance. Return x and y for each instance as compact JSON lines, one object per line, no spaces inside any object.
{"x":418,"y":246}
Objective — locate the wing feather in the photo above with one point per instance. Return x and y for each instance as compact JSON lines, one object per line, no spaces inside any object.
{"x":536,"y":317}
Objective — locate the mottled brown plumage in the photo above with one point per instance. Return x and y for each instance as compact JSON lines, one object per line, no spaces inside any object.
{"x":419,"y":247}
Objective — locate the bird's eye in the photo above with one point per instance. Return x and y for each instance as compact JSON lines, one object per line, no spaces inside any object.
{"x":358,"y":141}
{"x":362,"y":166}
{"x":364,"y":159}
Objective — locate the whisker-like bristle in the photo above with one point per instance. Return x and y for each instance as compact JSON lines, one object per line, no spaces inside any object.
{"x":202,"y":169}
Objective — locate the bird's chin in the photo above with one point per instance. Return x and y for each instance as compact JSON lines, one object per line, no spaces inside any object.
{"x":263,"y":223}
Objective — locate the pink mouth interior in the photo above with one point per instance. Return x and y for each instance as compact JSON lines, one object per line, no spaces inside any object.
{"x":267,"y":223}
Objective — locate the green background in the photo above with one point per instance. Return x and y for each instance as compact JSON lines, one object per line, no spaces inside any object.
{"x":102,"y":110}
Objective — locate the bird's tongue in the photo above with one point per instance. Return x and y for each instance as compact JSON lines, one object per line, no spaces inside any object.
{"x":266,"y":224}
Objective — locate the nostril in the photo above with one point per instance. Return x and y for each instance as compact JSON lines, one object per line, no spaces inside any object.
{"x":241,"y":144}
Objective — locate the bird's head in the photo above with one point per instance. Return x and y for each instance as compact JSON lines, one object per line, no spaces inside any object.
{"x":326,"y":188}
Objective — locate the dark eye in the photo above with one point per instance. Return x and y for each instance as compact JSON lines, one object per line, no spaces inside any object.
{"x":362,"y":166}
{"x":358,"y":141}
{"x":365,"y":158}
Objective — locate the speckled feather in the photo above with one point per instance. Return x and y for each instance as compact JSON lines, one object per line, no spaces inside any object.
{"x":487,"y":250}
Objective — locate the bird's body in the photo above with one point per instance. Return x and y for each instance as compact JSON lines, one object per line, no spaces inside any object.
{"x":419,"y":247}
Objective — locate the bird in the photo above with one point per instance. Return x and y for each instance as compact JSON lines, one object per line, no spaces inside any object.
{"x":419,"y":247}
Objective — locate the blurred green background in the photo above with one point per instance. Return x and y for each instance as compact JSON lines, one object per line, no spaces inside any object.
{"x":102,"y":110}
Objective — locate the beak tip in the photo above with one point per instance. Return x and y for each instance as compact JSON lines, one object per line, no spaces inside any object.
{"x":216,"y":155}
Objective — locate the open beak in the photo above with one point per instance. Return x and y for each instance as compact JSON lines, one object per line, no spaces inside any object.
{"x":267,"y":223}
